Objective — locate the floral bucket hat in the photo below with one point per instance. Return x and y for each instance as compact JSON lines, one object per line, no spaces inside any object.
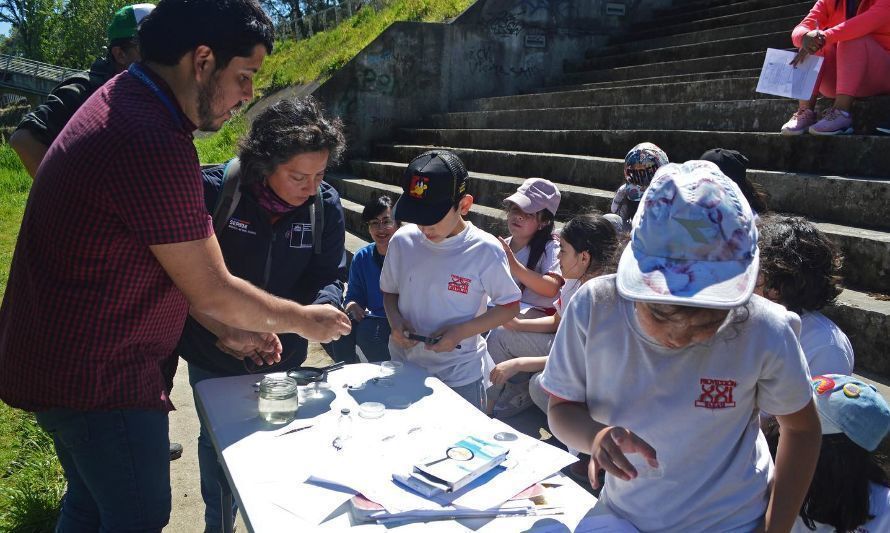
{"x":693,"y":241}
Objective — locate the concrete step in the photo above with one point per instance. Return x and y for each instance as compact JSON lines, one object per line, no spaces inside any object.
{"x":691,"y":91}
{"x":863,"y":156}
{"x":748,"y":60}
{"x":863,"y":317}
{"x":658,"y":80}
{"x":764,"y":115}
{"x":867,"y":251}
{"x":693,"y":8}
{"x":726,"y":46}
{"x":492,"y":189}
{"x":785,"y":24}
{"x":709,"y":21}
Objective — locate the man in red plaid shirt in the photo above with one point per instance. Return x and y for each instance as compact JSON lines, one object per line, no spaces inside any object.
{"x":116,"y":248}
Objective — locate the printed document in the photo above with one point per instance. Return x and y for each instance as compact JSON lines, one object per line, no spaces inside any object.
{"x":779,"y":78}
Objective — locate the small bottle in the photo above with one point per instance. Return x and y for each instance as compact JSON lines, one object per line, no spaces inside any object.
{"x":344,"y":424}
{"x":278,"y":400}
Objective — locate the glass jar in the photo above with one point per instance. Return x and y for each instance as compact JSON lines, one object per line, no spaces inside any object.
{"x":279,"y":400}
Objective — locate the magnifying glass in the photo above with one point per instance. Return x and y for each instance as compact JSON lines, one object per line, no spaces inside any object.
{"x":456,"y":453}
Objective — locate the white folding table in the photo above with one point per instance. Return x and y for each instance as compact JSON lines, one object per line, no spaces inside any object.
{"x":260,"y":467}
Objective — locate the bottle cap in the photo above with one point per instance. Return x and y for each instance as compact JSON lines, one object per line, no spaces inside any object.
{"x":344,"y":411}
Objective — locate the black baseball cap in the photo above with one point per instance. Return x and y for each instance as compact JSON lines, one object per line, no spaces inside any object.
{"x":432,"y":184}
{"x":732,"y":163}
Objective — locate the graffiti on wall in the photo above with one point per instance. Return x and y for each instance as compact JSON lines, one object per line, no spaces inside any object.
{"x":483,"y":60}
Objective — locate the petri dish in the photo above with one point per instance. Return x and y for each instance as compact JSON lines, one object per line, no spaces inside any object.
{"x":371,"y":409}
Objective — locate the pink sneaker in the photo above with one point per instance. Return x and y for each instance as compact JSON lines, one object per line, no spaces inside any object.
{"x":799,"y":122}
{"x":834,"y":122}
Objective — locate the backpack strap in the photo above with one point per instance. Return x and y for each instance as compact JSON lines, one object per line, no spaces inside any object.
{"x":229,"y":196}
{"x":316,"y":219}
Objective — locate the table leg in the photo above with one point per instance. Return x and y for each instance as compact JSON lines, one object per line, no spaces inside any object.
{"x":225,"y":496}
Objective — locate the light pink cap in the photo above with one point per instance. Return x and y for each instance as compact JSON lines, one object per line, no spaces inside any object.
{"x":536,"y":194}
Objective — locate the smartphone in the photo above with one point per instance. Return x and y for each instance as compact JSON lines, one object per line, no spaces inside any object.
{"x":421,"y":338}
{"x":426,"y":340}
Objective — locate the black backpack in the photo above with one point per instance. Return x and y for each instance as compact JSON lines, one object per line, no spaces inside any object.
{"x":231,"y":195}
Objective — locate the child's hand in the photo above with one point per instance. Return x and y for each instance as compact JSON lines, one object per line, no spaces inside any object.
{"x":513,"y":324}
{"x":399,"y":335}
{"x":608,"y":453}
{"x":355,"y":311}
{"x":503,"y":371}
{"x":511,"y":257}
{"x":448,"y":340}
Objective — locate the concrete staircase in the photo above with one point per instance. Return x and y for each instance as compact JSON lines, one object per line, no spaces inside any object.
{"x":685,"y":82}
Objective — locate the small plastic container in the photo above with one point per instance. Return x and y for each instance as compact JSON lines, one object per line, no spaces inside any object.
{"x":371,"y":410}
{"x":278,"y":399}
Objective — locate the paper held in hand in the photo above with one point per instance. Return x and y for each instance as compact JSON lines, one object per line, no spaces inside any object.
{"x":779,"y":78}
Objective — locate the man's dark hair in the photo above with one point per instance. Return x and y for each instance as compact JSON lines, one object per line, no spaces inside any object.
{"x":798,"y":261}
{"x":376,"y":207}
{"x":229,"y":27}
{"x":289,"y":127}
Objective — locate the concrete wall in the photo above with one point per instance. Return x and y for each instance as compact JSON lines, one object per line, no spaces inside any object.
{"x":496,"y":47}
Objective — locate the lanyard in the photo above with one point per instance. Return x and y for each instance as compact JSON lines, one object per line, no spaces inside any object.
{"x":136,"y":71}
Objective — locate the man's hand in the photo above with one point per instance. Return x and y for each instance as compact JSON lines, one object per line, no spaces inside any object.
{"x":608,"y":453}
{"x":355,"y":311}
{"x":261,"y":348}
{"x":323,"y":323}
{"x":503,"y":371}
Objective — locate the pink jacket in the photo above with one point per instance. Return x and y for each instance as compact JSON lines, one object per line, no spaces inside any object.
{"x":872,"y":18}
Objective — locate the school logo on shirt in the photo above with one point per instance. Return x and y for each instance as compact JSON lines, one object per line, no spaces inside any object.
{"x":241,"y":226}
{"x":459,"y":284}
{"x":300,"y":235}
{"x":716,"y":393}
{"x":418,"y":187}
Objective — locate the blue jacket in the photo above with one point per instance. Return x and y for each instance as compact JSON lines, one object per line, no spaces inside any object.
{"x":276,"y":258}
{"x":364,"y":281}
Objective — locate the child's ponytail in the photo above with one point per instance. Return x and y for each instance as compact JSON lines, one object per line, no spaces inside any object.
{"x":594,"y":234}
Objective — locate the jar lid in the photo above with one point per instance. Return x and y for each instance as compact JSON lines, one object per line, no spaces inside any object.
{"x":371,"y":410}
{"x":278,"y":387}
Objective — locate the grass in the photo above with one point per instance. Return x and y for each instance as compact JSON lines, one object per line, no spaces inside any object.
{"x":31,"y":480}
{"x":318,"y":57}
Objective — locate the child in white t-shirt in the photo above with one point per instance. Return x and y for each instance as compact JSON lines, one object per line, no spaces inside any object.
{"x":659,"y":372}
{"x":850,"y":491}
{"x":800,"y":269}
{"x":439,"y":275}
{"x":532,"y":248}
{"x":587,"y":248}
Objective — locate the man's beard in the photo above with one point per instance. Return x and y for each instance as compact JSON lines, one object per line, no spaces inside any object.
{"x":207,"y":94}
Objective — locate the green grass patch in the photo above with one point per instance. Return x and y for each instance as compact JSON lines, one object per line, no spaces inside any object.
{"x":318,"y":57}
{"x":31,"y":479}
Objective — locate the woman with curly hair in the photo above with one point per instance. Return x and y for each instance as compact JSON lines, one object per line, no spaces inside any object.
{"x":799,"y":268}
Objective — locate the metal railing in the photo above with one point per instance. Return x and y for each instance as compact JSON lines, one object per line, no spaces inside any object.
{"x":307,"y":26}
{"x":35,"y":69}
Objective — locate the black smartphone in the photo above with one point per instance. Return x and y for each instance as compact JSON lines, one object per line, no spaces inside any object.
{"x":426,"y":340}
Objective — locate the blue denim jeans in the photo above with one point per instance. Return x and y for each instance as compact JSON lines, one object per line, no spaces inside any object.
{"x":208,"y":464}
{"x":117,"y":464}
{"x":372,"y":337}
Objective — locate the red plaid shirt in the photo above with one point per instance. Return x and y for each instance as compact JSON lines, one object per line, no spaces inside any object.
{"x":90,"y":319}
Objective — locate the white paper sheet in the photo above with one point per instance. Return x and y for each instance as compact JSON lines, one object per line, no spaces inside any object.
{"x":779,"y":78}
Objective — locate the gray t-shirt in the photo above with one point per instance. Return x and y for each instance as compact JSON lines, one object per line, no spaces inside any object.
{"x":696,"y":406}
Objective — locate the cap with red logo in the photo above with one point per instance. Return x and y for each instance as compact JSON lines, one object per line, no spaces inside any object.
{"x":433,"y":182}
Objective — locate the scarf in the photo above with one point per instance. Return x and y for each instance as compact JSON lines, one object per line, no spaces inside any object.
{"x":270,"y":201}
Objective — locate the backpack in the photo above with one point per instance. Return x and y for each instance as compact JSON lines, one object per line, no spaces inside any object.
{"x":231,"y":195}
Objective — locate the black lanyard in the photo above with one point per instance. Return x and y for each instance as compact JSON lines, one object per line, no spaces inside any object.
{"x":136,"y":71}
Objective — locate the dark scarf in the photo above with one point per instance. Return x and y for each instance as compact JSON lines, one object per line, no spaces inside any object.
{"x":270,"y":201}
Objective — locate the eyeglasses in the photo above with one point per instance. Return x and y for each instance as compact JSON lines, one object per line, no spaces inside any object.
{"x":386,"y":223}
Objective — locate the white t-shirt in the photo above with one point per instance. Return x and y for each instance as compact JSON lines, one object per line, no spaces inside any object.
{"x":547,"y":264}
{"x":879,"y":507}
{"x":568,"y":289}
{"x":442,"y":284}
{"x":697,"y":406}
{"x":826,"y":347}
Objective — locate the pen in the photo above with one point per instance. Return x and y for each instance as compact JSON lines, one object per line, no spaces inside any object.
{"x":293,"y":430}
